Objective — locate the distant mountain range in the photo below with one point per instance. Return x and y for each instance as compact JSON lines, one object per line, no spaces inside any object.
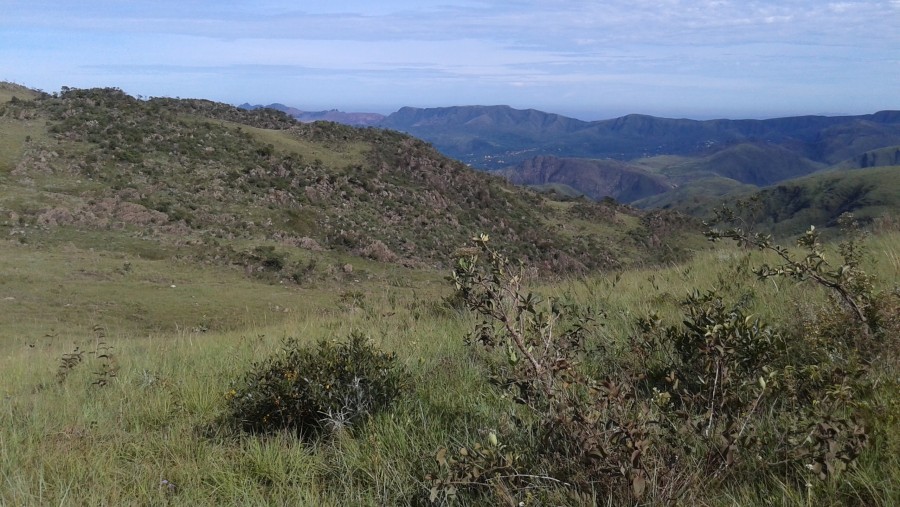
{"x":638,"y":158}
{"x":492,"y":137}
{"x":333,"y":115}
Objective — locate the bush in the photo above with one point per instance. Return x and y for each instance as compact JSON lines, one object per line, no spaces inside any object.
{"x":721,"y":399}
{"x":747,"y":398}
{"x":312,"y":391}
{"x":592,"y":433}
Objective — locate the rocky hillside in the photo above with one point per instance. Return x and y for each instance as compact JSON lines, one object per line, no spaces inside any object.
{"x":595,"y":178}
{"x":242,"y":186}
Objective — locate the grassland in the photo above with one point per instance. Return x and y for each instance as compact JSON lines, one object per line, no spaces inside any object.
{"x":180,"y":334}
{"x":154,"y":252}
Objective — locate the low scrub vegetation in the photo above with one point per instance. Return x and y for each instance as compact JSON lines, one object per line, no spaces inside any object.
{"x":753,"y":374}
{"x":228,"y":183}
{"x":723,"y":398}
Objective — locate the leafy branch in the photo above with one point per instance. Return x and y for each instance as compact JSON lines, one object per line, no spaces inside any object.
{"x":847,"y":281}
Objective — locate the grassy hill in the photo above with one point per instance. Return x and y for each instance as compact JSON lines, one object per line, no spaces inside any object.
{"x":665,"y":180}
{"x":791,"y":206}
{"x":875,"y":158}
{"x":260,"y":190}
{"x":754,"y":164}
{"x":869,"y":194}
{"x":694,"y":198}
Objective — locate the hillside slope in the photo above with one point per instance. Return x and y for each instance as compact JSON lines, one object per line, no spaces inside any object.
{"x":595,"y":178}
{"x":876,"y":158}
{"x":869,"y":194}
{"x":751,"y":163}
{"x":255,"y":187}
{"x":791,"y":206}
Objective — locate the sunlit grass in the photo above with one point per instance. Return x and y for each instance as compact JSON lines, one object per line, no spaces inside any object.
{"x":151,"y":436}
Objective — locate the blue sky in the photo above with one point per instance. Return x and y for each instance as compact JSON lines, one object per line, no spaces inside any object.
{"x":588,"y":59}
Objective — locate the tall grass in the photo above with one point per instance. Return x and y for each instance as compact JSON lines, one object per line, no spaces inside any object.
{"x":152,"y":436}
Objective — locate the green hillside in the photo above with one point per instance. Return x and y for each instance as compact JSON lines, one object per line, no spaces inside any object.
{"x":875,"y":158}
{"x":791,"y":206}
{"x":753,"y":164}
{"x":259,"y":190}
{"x":694,"y":197}
{"x":596,"y":179}
{"x":869,"y":194}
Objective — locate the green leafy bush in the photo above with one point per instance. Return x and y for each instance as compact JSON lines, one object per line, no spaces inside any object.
{"x":311,"y":391}
{"x":747,"y":398}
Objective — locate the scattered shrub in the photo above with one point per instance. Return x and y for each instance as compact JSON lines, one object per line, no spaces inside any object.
{"x":268,"y":258}
{"x":67,"y":364}
{"x":102,"y":358}
{"x":308,"y":391}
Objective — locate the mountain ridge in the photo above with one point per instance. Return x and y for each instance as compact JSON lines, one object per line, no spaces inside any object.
{"x":499,"y":136}
{"x":623,"y":138}
{"x":332,"y":115}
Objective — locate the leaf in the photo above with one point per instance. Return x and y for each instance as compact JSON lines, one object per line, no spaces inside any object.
{"x":638,"y":485}
{"x":635,"y":457}
{"x":442,"y":456}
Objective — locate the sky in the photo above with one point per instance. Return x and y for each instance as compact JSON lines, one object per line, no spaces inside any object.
{"x":587,"y":59}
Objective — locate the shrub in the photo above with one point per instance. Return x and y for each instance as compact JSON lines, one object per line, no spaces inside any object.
{"x":849,"y":284}
{"x":723,"y":397}
{"x":745,"y":397}
{"x":312,"y":391}
{"x":593,"y":434}
{"x":268,"y":258}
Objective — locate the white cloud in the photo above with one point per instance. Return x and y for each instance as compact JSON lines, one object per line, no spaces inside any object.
{"x":492,"y":48}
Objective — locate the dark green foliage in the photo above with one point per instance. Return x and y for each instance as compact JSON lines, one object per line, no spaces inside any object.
{"x":268,"y":258}
{"x":721,"y":376}
{"x":592,"y":433}
{"x":309,"y":391}
{"x":478,"y":465}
